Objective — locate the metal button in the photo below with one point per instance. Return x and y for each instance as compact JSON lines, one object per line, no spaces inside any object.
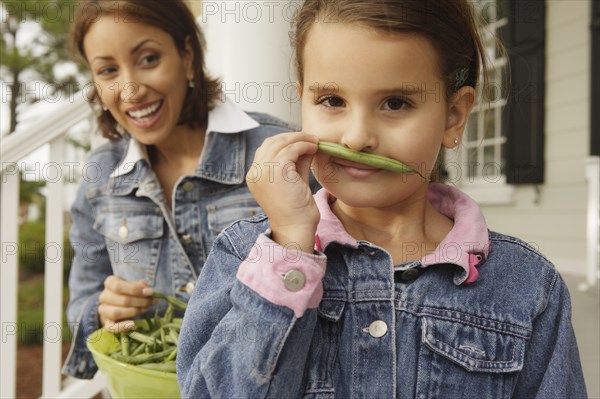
{"x":294,"y":280}
{"x":188,"y":185}
{"x":187,"y":239}
{"x":378,"y":329}
{"x":410,"y":274}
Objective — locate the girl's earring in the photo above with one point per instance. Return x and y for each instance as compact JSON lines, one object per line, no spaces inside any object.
{"x":104,"y":108}
{"x":191,"y":84}
{"x":456,"y":140}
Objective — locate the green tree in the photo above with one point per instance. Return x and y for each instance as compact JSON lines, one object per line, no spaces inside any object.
{"x":36,"y":60}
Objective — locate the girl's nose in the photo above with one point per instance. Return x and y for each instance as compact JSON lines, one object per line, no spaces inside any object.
{"x":358,"y":134}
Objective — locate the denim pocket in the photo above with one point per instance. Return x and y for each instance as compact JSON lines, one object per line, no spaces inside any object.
{"x":225,"y":211}
{"x":133,"y":236}
{"x":468,"y":360}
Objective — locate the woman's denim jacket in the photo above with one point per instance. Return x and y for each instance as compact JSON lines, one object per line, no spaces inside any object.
{"x":122,"y":225}
{"x":367,"y":328}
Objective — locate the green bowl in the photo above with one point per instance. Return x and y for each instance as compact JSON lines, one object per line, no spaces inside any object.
{"x":127,"y":380}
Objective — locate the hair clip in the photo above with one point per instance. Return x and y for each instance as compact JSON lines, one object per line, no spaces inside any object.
{"x":461,"y":77}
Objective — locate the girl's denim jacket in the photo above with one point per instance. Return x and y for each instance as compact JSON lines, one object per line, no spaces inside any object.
{"x":483,"y":315}
{"x":122,"y":225}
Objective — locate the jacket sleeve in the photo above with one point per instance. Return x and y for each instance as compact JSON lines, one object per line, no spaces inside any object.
{"x":552,"y":367}
{"x":90,"y":267}
{"x":235,"y":343}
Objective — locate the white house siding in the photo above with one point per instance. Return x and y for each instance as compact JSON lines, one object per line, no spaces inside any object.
{"x":555,"y":221}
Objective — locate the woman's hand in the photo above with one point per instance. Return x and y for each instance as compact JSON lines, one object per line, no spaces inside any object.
{"x":121,"y":301}
{"x":279,"y":181}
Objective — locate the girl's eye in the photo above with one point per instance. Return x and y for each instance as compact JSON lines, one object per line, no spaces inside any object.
{"x":395,"y":104}
{"x":331,"y":102}
{"x":150,"y":59}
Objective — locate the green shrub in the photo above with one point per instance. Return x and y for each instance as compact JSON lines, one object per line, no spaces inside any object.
{"x":33,"y":252}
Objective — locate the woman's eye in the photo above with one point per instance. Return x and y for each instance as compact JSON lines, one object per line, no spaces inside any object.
{"x":150,"y":59}
{"x":331,"y":101}
{"x":106,"y":71}
{"x":395,"y":104}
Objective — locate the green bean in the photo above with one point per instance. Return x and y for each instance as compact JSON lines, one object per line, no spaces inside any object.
{"x":377,"y":161}
{"x":153,"y":344}
{"x":142,"y":338}
{"x":145,"y":357}
{"x":170,"y":299}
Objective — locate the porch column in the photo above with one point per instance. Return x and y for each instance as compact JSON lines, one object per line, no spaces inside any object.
{"x":248,"y":46}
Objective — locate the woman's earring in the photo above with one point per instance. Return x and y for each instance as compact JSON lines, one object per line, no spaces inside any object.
{"x":104,"y":108}
{"x":456,"y":140}
{"x":191,"y":84}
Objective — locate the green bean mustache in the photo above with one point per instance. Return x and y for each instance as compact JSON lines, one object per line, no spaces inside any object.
{"x":365,"y":158}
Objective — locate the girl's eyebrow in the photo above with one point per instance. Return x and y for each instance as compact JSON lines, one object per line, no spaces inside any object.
{"x":405,"y":90}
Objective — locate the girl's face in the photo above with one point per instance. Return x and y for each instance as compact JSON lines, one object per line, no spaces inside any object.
{"x":140,"y":76}
{"x":378,"y":93}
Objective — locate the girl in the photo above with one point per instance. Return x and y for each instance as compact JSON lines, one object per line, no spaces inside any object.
{"x":383,"y":284}
{"x":171,"y":177}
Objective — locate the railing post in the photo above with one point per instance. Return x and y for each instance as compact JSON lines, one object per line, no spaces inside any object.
{"x":9,"y":281}
{"x":53,"y":272}
{"x":593,"y":223}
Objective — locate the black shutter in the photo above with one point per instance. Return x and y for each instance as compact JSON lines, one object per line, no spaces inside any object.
{"x":523,"y":119}
{"x":595,"y":130}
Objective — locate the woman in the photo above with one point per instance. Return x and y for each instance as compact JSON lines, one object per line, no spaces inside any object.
{"x":170,"y":178}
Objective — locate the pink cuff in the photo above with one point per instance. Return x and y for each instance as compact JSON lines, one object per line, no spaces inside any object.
{"x":266,"y":266}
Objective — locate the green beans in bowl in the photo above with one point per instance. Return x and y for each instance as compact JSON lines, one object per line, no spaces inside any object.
{"x":140,"y":363}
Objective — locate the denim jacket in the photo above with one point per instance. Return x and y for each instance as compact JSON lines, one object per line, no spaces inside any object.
{"x":123,"y":226}
{"x":484,"y":315}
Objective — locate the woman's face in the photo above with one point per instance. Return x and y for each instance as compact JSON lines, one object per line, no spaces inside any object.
{"x":378,"y":93}
{"x":140,"y":75}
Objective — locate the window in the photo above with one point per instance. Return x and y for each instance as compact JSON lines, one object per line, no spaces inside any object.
{"x":503,"y":142}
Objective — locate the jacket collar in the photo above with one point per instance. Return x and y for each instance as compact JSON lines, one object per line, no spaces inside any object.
{"x":466,"y":245}
{"x":225,"y":118}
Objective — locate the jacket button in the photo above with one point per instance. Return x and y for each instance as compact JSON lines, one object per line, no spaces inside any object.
{"x":409,"y":275}
{"x":187,"y":239}
{"x":378,"y":329}
{"x":294,"y":280}
{"x":188,"y":185}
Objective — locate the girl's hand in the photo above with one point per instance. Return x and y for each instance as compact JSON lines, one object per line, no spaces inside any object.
{"x":121,"y":301}
{"x":278,"y":179}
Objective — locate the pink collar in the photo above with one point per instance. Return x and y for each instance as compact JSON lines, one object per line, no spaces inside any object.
{"x":466,"y":245}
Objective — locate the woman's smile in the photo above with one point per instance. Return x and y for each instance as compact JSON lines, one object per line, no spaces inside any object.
{"x":146,"y":115}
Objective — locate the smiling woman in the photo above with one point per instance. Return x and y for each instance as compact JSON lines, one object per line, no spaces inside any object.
{"x":175,"y":162}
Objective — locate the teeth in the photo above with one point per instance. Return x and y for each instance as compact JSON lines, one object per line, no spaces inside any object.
{"x":141,"y":113}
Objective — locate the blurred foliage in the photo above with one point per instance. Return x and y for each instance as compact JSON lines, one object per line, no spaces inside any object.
{"x":35,"y":60}
{"x":30,"y":316}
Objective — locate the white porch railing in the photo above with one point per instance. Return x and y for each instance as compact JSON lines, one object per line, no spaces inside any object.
{"x":593,"y":223}
{"x":51,"y":130}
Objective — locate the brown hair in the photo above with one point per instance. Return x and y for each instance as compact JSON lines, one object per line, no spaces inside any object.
{"x":173,"y":17}
{"x":449,"y":24}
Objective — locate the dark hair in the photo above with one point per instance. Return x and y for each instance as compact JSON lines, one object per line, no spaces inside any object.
{"x":449,"y":24}
{"x":173,"y":17}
